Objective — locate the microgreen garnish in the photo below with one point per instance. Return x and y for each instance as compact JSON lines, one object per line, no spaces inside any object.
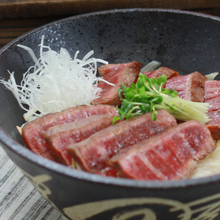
{"x":149,"y":95}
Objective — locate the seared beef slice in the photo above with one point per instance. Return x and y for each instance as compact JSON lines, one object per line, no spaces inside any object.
{"x":212,"y":96}
{"x":117,"y":74}
{"x":169,"y":73}
{"x":60,"y":136}
{"x":33,"y":131}
{"x":171,"y":155}
{"x":93,"y":152}
{"x":189,"y":87}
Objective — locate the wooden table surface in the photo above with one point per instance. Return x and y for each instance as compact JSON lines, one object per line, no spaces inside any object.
{"x":20,"y":16}
{"x":31,"y":8}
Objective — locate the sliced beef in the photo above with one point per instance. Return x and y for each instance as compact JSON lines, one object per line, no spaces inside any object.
{"x":33,"y":131}
{"x":189,"y":87}
{"x":171,"y":155}
{"x":117,"y":74}
{"x":109,"y":68}
{"x":212,"y":96}
{"x":212,"y":90}
{"x":169,"y":73}
{"x":214,"y":124}
{"x":59,"y":137}
{"x":108,"y":171}
{"x":92,"y":153}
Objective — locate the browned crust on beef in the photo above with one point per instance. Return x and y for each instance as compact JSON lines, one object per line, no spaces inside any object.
{"x":215,"y":130}
{"x":212,"y":96}
{"x":189,"y":87}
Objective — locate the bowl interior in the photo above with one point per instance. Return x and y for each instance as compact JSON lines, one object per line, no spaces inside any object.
{"x":183,"y":41}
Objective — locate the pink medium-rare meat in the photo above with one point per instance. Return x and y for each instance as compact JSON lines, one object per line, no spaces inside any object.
{"x":169,"y":73}
{"x":117,"y":74}
{"x":92,"y":153}
{"x":214,"y":103}
{"x":197,"y":136}
{"x":189,"y":87}
{"x":108,"y":171}
{"x":212,"y":96}
{"x":105,"y":69}
{"x":33,"y":131}
{"x":171,"y":155}
{"x":59,"y":137}
{"x":212,"y":89}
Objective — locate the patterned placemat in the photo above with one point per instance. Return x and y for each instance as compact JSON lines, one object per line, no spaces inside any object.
{"x":19,"y":200}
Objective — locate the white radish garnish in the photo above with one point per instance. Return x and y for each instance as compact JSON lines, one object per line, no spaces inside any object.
{"x":55,"y":82}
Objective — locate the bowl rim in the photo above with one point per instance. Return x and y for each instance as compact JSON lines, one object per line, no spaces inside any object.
{"x":25,"y":153}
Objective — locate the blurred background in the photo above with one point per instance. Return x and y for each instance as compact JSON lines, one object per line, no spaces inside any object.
{"x":19,"y":16}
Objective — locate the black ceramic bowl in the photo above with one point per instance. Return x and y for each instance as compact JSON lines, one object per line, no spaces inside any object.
{"x":184,"y":41}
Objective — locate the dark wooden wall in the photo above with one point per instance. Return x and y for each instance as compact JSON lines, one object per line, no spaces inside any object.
{"x":20,"y":16}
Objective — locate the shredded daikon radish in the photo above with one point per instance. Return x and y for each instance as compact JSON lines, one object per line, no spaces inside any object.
{"x":19,"y":129}
{"x":55,"y":82}
{"x":151,"y":66}
{"x":210,"y":165}
{"x":211,"y":76}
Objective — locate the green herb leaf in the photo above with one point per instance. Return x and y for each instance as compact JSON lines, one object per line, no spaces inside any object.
{"x":148,"y":95}
{"x":116,"y":118}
